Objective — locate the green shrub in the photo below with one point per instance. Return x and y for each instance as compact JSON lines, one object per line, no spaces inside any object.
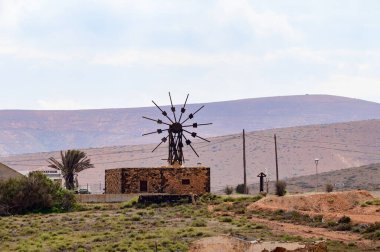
{"x":373,"y":227}
{"x":240,"y":189}
{"x":130,"y":203}
{"x":280,"y":188}
{"x":343,"y":227}
{"x":375,"y":202}
{"x":210,"y":198}
{"x":331,"y":224}
{"x":329,"y":187}
{"x":199,"y":223}
{"x":35,"y":193}
{"x":228,"y":190}
{"x":229,"y":199}
{"x":372,"y":231}
{"x":226,"y":219}
{"x":65,"y":200}
{"x":344,"y":219}
{"x":136,"y":217}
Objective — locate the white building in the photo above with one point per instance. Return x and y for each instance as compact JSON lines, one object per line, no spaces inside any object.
{"x":51,"y":173}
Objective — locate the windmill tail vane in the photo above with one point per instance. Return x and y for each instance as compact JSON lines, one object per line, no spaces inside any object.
{"x":176,"y":131}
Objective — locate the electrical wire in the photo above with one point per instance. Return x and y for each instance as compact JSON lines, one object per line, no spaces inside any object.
{"x":15,"y":163}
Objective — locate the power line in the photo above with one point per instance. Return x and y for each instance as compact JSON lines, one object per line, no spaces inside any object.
{"x":313,"y":141}
{"x":250,"y":135}
{"x":362,"y":152}
{"x":256,"y":138}
{"x":16,"y":162}
{"x":111,"y":162}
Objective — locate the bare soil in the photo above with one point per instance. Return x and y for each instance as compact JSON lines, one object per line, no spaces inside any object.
{"x":231,"y":244}
{"x":331,"y":205}
{"x":314,"y":232}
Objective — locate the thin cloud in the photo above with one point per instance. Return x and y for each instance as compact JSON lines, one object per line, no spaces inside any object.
{"x":263,"y":23}
{"x":172,"y":58}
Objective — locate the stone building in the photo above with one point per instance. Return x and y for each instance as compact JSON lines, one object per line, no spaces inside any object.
{"x":189,"y":180}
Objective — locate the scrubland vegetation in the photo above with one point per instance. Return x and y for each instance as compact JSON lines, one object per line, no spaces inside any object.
{"x":35,"y":193}
{"x":131,"y":226}
{"x":124,"y":227}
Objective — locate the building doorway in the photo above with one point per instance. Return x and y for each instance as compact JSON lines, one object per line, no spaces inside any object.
{"x":143,"y":186}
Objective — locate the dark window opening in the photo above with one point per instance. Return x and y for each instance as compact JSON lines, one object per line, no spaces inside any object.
{"x":143,"y":186}
{"x":185,"y":181}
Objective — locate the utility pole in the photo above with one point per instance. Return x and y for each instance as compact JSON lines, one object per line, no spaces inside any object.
{"x":267,"y":179}
{"x":275,"y":151}
{"x":244,"y":165}
{"x":316,"y":173}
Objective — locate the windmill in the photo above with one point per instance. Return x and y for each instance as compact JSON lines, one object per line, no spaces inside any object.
{"x":177,"y":132}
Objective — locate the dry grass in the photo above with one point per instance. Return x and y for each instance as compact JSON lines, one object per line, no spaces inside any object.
{"x":131,"y":227}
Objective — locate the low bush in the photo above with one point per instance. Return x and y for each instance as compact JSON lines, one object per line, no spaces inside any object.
{"x":343,"y":227}
{"x":240,"y":189}
{"x":344,"y":220}
{"x":199,"y":223}
{"x":225,"y":219}
{"x":210,"y":198}
{"x":280,"y":188}
{"x":132,"y":202}
{"x":375,"y":202}
{"x":373,"y":227}
{"x":228,"y":190}
{"x":329,"y":187}
{"x":35,"y":193}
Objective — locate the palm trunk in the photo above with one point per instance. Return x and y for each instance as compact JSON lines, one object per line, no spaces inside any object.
{"x":69,"y":182}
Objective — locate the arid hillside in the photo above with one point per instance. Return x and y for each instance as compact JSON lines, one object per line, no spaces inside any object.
{"x":337,"y":146}
{"x":365,"y":177}
{"x":38,"y":131}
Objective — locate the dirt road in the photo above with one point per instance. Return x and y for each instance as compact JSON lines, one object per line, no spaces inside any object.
{"x":313,"y":232}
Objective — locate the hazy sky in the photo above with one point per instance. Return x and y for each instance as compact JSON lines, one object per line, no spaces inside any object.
{"x":97,"y":54}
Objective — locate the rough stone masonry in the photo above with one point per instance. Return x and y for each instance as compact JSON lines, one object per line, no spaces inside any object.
{"x":185,"y":180}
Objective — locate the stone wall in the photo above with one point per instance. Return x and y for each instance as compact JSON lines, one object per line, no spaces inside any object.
{"x":113,"y":181}
{"x":199,"y":180}
{"x":104,"y":198}
{"x":187,"y":180}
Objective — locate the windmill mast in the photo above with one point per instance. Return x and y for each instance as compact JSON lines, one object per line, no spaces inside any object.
{"x":177,"y":130}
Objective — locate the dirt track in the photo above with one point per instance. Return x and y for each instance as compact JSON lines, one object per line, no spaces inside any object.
{"x":330,"y":205}
{"x":313,"y":232}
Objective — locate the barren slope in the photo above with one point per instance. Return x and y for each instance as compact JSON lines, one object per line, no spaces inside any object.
{"x":338,"y":146}
{"x":37,"y":131}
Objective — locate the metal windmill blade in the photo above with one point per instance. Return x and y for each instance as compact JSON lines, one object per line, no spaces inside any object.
{"x":176,"y":132}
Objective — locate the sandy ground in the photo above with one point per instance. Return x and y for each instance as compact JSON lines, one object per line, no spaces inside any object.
{"x":331,"y":205}
{"x":313,"y":232}
{"x":231,"y":244}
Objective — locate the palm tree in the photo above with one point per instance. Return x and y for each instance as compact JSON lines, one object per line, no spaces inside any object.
{"x":72,"y":162}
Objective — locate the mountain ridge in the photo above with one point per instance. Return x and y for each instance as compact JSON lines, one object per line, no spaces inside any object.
{"x":28,"y":131}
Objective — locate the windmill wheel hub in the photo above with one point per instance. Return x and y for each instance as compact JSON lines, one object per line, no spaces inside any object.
{"x":176,"y":132}
{"x":176,"y":128}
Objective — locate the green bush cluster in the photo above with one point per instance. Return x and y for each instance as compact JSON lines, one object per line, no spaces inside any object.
{"x":240,"y":189}
{"x":35,"y":193}
{"x":280,"y":188}
{"x":228,"y":190}
{"x":329,"y":187}
{"x":210,"y":198}
{"x":344,"y":219}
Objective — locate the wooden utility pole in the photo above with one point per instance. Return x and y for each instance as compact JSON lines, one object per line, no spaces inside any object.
{"x":244,"y":165}
{"x":275,"y":151}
